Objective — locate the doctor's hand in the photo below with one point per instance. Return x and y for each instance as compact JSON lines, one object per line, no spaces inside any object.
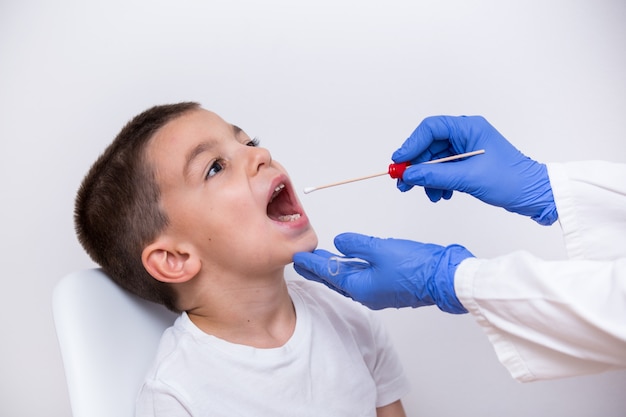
{"x":390,"y":272}
{"x":502,"y":176}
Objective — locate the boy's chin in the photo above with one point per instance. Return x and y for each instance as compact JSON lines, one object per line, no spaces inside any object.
{"x":309,"y":244}
{"x":306,"y":245}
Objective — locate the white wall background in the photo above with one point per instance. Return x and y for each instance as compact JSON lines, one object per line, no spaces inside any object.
{"x":332,"y":88}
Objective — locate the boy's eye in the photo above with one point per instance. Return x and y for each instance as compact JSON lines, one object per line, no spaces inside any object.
{"x":218,"y":164}
{"x":215,"y":167}
{"x":254,"y":142}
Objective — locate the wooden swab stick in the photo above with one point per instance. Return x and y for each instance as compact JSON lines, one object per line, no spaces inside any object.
{"x":434,"y":161}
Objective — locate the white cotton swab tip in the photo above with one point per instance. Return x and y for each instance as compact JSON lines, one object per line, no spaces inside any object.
{"x":309,"y":190}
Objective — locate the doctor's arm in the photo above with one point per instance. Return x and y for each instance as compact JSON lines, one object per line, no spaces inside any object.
{"x":548,"y":319}
{"x":564,"y":318}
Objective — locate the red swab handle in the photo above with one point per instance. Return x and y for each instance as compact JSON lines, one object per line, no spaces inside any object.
{"x":396,"y":170}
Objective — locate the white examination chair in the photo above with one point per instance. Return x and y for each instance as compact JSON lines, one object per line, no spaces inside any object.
{"x":108,"y":338}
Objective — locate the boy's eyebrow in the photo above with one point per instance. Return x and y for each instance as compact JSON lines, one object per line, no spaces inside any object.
{"x":203,"y":147}
{"x":197,"y":150}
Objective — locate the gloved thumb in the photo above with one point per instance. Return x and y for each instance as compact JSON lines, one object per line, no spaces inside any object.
{"x":355,"y":245}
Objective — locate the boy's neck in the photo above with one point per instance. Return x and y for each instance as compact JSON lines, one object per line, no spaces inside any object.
{"x":261,"y":315}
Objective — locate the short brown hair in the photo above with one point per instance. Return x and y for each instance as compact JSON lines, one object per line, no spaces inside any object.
{"x":117,"y":210}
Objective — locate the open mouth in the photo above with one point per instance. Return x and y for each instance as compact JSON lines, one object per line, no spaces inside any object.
{"x":282,"y":206}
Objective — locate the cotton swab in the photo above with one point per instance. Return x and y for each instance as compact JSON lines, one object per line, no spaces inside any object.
{"x":395,"y":170}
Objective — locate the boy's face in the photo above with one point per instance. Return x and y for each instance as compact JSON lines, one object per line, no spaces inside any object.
{"x":226,"y":197}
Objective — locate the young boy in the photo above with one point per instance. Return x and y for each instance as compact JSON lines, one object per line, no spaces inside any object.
{"x":186,"y":210}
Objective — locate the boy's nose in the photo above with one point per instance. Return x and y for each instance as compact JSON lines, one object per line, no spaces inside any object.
{"x":259,"y":157}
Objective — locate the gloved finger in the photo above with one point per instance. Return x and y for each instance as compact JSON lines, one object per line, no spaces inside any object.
{"x":324,"y":253}
{"x":430,"y":130}
{"x":315,"y":267}
{"x":322,"y":265}
{"x":403,"y":186}
{"x":315,"y":262}
{"x":333,"y":271}
{"x":346,"y":276}
{"x":446,"y":176}
{"x":305,"y":273}
{"x":434,"y":194}
{"x":356,"y":245}
{"x":437,"y":149}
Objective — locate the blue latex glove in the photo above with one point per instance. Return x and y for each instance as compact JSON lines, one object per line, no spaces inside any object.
{"x":392,"y":273}
{"x":502,"y":177}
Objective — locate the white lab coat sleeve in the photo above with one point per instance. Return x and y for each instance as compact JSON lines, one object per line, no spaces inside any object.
{"x":590,"y":198}
{"x":554,"y":319}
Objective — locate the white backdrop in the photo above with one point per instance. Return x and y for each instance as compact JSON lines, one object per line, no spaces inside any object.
{"x":331,"y":87}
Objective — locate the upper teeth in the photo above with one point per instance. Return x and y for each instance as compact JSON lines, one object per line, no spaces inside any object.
{"x":277,"y":191}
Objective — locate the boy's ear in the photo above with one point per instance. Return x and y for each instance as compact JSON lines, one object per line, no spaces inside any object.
{"x":168,"y":263}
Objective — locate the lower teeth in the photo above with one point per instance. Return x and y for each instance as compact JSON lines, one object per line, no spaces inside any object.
{"x":289,"y":217}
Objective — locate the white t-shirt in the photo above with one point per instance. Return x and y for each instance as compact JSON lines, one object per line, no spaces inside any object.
{"x":338,"y":362}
